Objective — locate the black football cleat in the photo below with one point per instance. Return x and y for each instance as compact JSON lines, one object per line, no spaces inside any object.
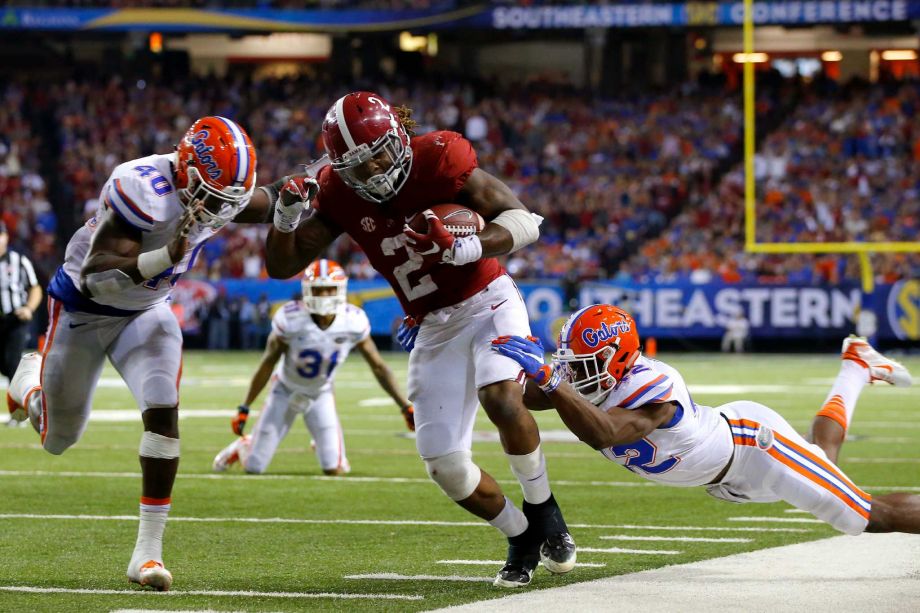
{"x":523,"y":559}
{"x":558,"y":553}
{"x":557,"y":549}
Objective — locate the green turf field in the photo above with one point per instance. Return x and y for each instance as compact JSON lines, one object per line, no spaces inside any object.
{"x":323,"y":543}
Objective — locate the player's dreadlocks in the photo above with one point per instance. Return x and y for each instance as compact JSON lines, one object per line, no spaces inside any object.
{"x":404,"y":114}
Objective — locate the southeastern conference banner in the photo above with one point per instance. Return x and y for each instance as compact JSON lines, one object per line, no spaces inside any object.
{"x":663,"y":311}
{"x":588,"y":15}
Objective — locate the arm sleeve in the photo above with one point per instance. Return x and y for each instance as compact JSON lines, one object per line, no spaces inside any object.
{"x":362,"y":325}
{"x":280,"y":324}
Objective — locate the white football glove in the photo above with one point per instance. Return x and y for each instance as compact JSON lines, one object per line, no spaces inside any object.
{"x":293,"y":200}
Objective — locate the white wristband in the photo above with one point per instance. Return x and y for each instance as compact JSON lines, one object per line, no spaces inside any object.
{"x":152,"y":263}
{"x":466,"y":250}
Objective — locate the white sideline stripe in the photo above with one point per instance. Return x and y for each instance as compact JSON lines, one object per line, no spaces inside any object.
{"x":782,"y":520}
{"x":171,"y":611}
{"x":374,"y":522}
{"x":398,"y":577}
{"x":648,"y":552}
{"x":343,"y":596}
{"x":844,"y":574}
{"x":502,"y":562}
{"x":796,"y":511}
{"x":678,"y":539}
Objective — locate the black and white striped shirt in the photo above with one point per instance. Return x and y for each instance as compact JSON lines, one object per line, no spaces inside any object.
{"x":16,"y":278}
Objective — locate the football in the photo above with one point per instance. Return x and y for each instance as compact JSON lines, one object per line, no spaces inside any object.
{"x":457,"y":219}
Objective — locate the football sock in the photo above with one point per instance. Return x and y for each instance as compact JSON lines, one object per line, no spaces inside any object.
{"x":841,"y":401}
{"x":510,"y":521}
{"x":530,"y":470}
{"x":154,"y":512}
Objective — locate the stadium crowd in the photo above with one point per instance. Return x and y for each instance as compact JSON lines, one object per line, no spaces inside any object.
{"x":644,"y":188}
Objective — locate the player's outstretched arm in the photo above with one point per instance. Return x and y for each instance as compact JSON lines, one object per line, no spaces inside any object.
{"x":602,"y":429}
{"x":274,"y":349}
{"x":385,"y":378}
{"x":511,"y":226}
{"x":115,"y":262}
{"x":287,"y":254}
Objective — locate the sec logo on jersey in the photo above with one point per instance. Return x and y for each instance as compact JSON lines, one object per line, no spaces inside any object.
{"x":368,"y":224}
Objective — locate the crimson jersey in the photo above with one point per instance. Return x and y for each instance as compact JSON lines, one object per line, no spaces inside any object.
{"x":442,"y":162}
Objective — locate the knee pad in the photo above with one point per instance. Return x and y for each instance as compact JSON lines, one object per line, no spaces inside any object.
{"x":455,"y":473}
{"x":159,"y":447}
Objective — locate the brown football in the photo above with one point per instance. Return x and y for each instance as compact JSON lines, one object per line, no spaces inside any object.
{"x":457,"y":219}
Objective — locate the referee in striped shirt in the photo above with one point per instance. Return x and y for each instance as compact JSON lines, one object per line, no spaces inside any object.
{"x":20,"y":295}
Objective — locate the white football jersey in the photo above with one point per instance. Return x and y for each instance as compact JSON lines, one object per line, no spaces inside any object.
{"x":689,"y":451}
{"x":308,"y":366}
{"x":142,"y":194}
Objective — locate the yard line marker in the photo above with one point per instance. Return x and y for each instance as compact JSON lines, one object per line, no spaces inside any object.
{"x":700,"y":528}
{"x":649,"y":552}
{"x":796,"y":511}
{"x":679,"y":539}
{"x":339,"y":596}
{"x":375,"y":522}
{"x":502,"y":562}
{"x":398,"y":577}
{"x":784,"y":520}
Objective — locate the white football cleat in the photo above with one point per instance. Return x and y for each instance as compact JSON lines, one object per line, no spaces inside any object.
{"x":152,"y":574}
{"x":229,"y":455}
{"x":24,"y":383}
{"x":858,"y":349}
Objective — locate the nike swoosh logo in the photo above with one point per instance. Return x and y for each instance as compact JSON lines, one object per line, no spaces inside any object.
{"x":73,"y":325}
{"x":434,"y":249}
{"x":495,"y":306}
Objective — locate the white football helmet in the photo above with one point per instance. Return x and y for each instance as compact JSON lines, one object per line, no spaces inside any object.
{"x":321,"y":275}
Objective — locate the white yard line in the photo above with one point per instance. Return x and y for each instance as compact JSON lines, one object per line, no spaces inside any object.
{"x":216,"y":593}
{"x":647,"y":552}
{"x":779,"y":520}
{"x":845,"y":574}
{"x":676,"y":539}
{"x":502,"y":562}
{"x":373,"y":522}
{"x":398,"y":577}
{"x":354,"y":479}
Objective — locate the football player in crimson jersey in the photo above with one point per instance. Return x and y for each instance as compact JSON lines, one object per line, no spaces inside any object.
{"x":639,"y":413}
{"x":108,"y":300}
{"x":378,"y":178}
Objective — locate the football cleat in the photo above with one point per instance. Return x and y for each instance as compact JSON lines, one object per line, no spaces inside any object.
{"x":24,"y":383}
{"x":152,"y":574}
{"x":519,"y":569}
{"x":229,"y":455}
{"x":858,"y":349}
{"x":557,"y":553}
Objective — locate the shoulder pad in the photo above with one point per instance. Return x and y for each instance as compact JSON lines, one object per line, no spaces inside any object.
{"x":642,"y":385}
{"x":133,"y":198}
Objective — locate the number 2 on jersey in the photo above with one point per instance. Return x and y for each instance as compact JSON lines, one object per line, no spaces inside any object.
{"x":425,"y":285}
{"x":310,"y":361}
{"x":641,"y":456}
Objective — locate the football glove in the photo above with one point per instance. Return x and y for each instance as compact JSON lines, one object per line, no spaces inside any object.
{"x":409,"y":415}
{"x":436,"y":245}
{"x":407,"y":332}
{"x":528,"y":352}
{"x":293,"y":200}
{"x":238,"y":423}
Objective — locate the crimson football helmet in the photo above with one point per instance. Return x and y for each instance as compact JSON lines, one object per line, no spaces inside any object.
{"x":323,"y":274}
{"x":216,"y":165}
{"x":362,"y":127}
{"x":597,"y":346}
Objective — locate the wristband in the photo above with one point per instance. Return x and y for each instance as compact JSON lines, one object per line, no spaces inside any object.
{"x":152,"y":263}
{"x":243,"y":409}
{"x":547,"y":379}
{"x":467,"y":250}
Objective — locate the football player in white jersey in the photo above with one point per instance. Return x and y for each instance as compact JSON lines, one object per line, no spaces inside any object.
{"x":108,"y":299}
{"x":638,"y":413}
{"x":312,"y":337}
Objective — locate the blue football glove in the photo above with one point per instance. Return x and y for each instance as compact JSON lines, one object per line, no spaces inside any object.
{"x":528,"y":352}
{"x":407,"y":332}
